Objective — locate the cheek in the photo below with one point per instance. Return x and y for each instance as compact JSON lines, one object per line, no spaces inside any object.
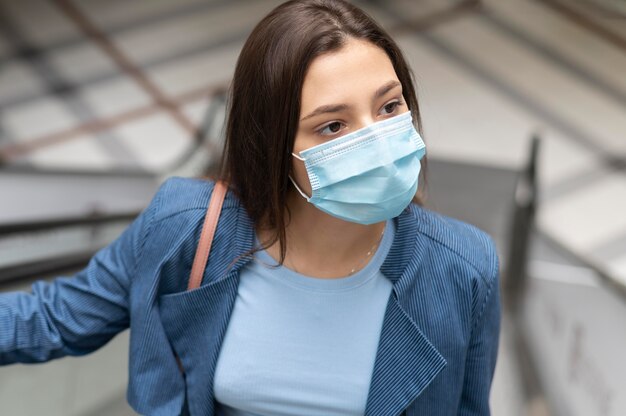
{"x":300,"y":176}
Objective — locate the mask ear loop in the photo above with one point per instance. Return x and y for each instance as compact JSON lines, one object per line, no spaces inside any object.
{"x":294,"y":182}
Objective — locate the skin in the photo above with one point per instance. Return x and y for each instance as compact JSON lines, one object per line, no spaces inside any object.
{"x":350,"y":88}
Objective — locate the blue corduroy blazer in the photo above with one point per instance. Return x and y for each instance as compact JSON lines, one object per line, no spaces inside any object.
{"x":437,"y":349}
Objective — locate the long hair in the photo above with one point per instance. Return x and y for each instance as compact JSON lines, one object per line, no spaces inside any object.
{"x":264,"y":100}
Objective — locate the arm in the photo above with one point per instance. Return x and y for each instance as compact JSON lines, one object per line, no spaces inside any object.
{"x":75,"y":315}
{"x":480,"y":361}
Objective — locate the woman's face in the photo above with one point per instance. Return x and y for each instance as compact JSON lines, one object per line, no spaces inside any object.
{"x":344,"y":91}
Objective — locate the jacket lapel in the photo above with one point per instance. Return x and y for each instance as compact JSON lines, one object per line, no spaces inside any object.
{"x":196,"y":322}
{"x":406,"y":361}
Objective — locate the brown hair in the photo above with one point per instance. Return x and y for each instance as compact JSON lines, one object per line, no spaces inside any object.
{"x":264,"y":102}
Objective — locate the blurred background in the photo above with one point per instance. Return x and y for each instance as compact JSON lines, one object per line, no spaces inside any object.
{"x":524,"y":114}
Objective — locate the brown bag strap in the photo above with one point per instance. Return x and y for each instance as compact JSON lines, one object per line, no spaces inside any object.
{"x":206,"y":240}
{"x":206,"y":237}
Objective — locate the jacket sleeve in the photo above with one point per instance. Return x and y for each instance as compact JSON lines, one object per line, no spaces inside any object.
{"x":480,"y":361}
{"x":75,"y":315}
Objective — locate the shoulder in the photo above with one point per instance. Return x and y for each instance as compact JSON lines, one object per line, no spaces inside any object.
{"x":459,"y":242}
{"x":461,"y":264}
{"x":179,"y":195}
{"x":179,"y":210}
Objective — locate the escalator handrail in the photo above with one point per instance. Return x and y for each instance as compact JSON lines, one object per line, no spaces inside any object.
{"x":54,"y":223}
{"x":43,"y":268}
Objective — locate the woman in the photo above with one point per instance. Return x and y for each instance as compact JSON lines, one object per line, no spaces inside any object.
{"x":327,"y":291}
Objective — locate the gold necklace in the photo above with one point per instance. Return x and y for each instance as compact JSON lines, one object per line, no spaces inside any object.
{"x":359,"y":265}
{"x":369,"y":253}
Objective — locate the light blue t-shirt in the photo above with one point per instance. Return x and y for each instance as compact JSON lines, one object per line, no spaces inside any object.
{"x":300,"y":345}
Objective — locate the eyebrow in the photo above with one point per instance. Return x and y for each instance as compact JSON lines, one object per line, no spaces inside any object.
{"x":332,"y":108}
{"x":386,"y":88}
{"x":335,"y":108}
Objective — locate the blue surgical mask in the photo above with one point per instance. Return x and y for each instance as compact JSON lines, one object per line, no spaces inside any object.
{"x":367,"y":176}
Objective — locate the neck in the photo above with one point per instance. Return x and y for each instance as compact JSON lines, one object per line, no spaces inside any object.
{"x":323,"y":246}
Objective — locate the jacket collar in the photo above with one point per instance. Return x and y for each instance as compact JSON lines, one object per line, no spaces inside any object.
{"x":406,"y":361}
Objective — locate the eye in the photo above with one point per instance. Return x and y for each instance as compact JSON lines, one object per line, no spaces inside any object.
{"x":330,"y":129}
{"x":391,"y":107}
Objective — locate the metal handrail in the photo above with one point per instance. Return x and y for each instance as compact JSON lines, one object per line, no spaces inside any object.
{"x":94,"y":218}
{"x":60,"y":263}
{"x":40,"y":269}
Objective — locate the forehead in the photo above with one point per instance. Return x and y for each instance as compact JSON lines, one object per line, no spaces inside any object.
{"x":348,"y":74}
